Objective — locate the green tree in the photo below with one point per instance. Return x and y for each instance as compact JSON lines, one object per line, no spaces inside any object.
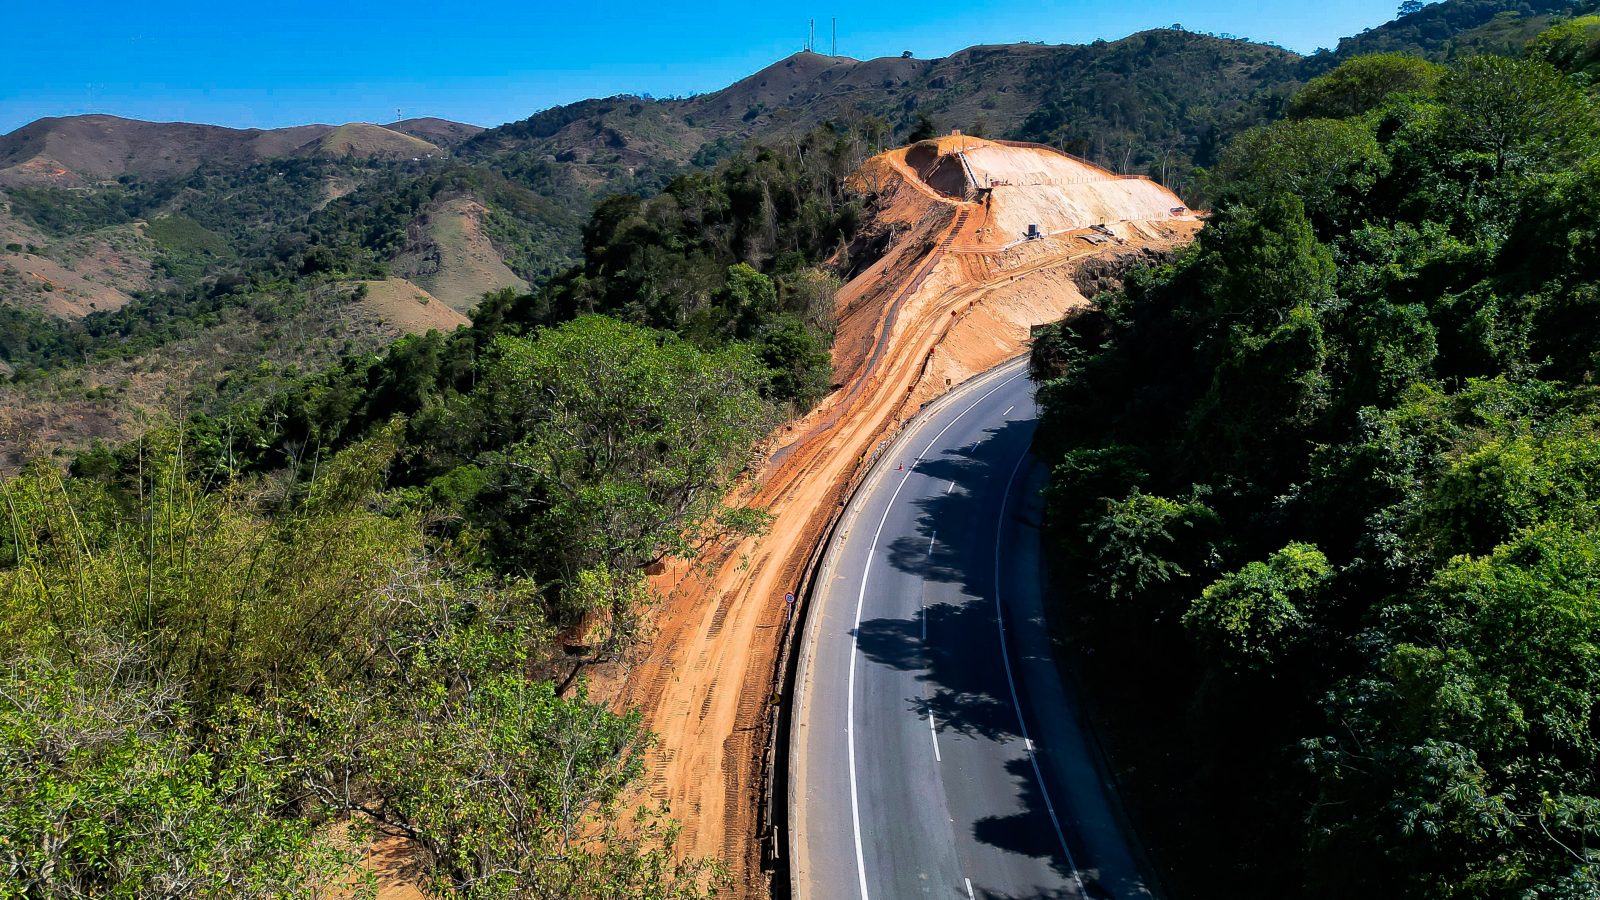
{"x":801,"y":369}
{"x":1252,"y":617}
{"x":1329,"y":165}
{"x":1141,"y":543}
{"x":1083,"y":485}
{"x":1523,"y":114}
{"x":109,"y":788}
{"x":1259,"y":263}
{"x":1362,"y":84}
{"x":556,"y":769}
{"x":747,"y":299}
{"x":1572,"y":46}
{"x":607,"y":445}
{"x":1270,"y":284}
{"x":1465,"y":760}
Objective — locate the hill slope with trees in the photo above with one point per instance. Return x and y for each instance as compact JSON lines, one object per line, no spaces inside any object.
{"x":1327,"y":476}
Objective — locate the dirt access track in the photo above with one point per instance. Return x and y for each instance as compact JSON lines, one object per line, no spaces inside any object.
{"x":954,"y":293}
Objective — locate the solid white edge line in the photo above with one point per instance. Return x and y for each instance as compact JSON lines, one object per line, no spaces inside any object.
{"x":970,"y":895}
{"x":855,"y":635}
{"x":932,"y":730}
{"x":1005,"y":656}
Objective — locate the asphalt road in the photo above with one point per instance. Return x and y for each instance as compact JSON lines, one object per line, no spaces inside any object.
{"x":937,"y":752}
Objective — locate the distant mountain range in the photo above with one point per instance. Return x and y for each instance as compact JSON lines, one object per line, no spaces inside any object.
{"x":77,"y":150}
{"x":1154,"y":102}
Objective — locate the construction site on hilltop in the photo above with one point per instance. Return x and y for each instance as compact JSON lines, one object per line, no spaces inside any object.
{"x":976,"y":242}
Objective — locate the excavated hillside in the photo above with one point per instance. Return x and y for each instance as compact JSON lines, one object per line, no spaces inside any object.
{"x":954,"y":290}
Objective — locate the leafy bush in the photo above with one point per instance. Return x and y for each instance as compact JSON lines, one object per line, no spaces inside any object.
{"x":200,"y":684}
{"x":1362,"y":84}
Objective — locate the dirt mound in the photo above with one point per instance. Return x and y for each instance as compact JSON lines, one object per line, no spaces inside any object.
{"x":450,"y":255}
{"x":941,"y":302}
{"x":367,"y":142}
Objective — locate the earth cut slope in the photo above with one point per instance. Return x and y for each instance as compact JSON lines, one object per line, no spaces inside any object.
{"x":950,"y":294}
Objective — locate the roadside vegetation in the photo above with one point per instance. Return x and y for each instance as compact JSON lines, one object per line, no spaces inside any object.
{"x":1324,"y":494}
{"x":227,"y":690}
{"x":224,"y":684}
{"x":331,"y":609}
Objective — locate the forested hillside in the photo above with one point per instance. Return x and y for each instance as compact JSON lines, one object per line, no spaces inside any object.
{"x":232,"y":688}
{"x":1443,"y":32}
{"x":1324,"y":493}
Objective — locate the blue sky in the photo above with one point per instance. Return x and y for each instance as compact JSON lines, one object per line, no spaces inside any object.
{"x":292,"y":62}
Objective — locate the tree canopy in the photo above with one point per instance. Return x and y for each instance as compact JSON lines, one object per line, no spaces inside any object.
{"x":1329,"y":474}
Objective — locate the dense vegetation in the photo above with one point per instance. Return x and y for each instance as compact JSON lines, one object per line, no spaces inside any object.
{"x":728,"y":261}
{"x":1164,"y":102}
{"x":1328,"y":481}
{"x":204,"y":684}
{"x":1457,"y":29}
{"x":730,"y":255}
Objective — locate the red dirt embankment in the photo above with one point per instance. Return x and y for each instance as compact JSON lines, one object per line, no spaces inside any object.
{"x":955,"y":294}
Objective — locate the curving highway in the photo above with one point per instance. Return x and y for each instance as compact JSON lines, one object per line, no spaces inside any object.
{"x":936,"y":752}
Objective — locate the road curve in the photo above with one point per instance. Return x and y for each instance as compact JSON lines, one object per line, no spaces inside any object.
{"x":936,"y":752}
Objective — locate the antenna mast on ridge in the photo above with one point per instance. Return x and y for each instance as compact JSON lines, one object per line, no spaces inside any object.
{"x":835,"y":37}
{"x":811,"y":39}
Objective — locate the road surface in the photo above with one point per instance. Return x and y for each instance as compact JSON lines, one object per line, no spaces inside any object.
{"x":936,"y":750}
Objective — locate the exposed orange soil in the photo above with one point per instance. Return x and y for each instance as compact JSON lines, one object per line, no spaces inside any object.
{"x":954,"y":295}
{"x":92,"y":273}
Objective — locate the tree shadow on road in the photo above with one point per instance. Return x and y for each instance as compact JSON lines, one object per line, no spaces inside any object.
{"x":961,"y":665}
{"x":1022,"y":833}
{"x":966,"y":696}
